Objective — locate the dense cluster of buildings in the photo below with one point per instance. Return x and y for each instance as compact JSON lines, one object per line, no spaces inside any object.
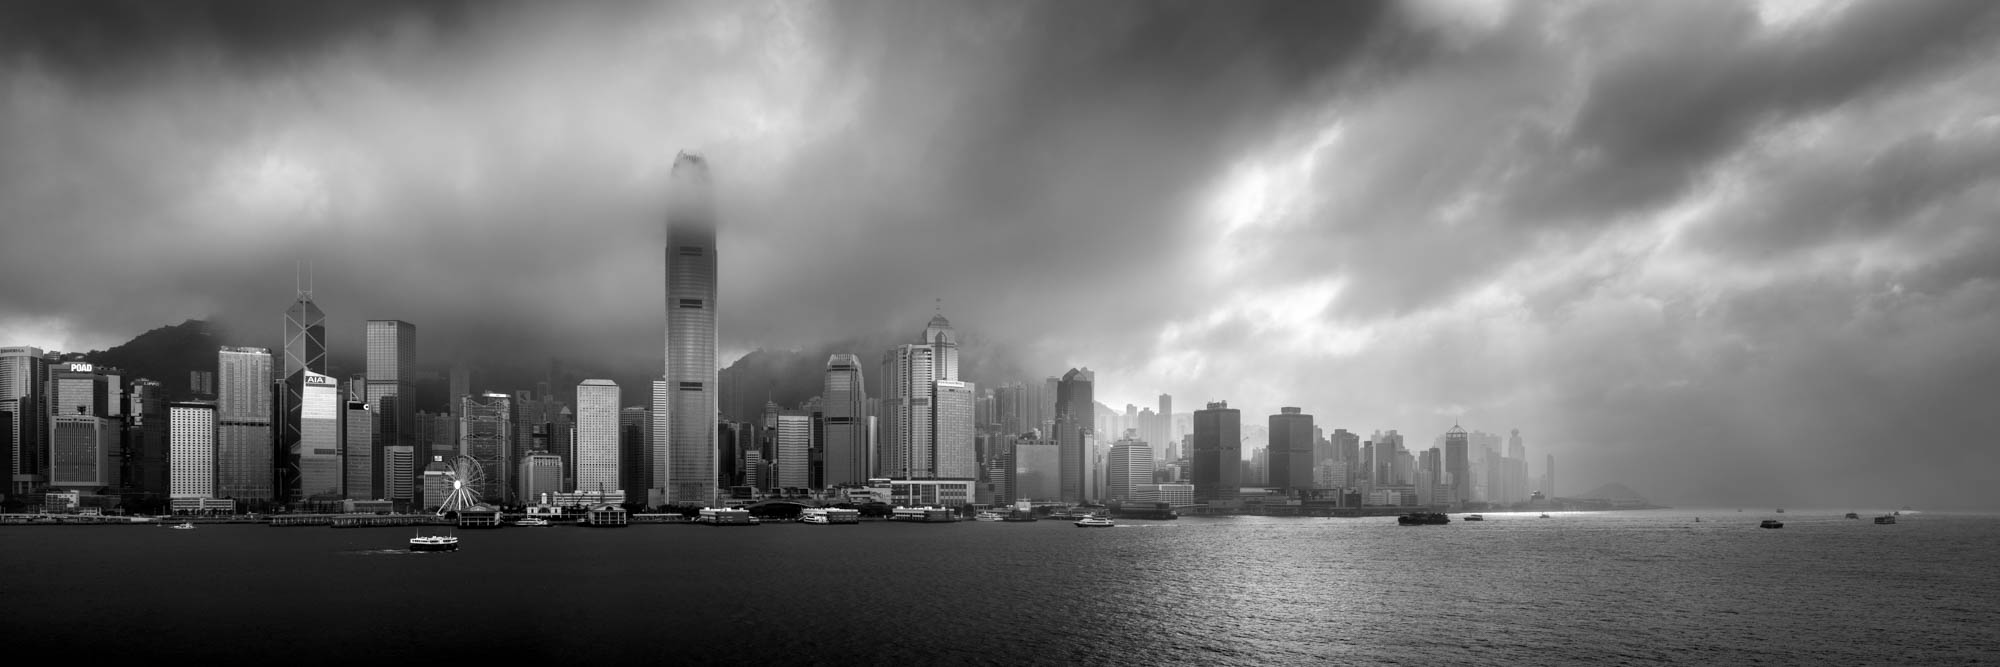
{"x":278,"y":430}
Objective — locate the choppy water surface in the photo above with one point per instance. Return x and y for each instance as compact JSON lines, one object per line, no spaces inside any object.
{"x":1649,"y":587}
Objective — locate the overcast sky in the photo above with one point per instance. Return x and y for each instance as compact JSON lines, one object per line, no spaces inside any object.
{"x":1729,"y":252}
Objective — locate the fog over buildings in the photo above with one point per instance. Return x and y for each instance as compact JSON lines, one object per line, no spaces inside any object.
{"x":1727,"y":251}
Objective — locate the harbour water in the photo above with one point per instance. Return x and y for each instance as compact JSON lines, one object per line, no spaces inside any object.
{"x":1642,"y":587}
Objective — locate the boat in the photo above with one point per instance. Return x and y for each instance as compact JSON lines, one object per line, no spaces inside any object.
{"x":1475,"y":517}
{"x":725,"y":516}
{"x":1781,"y":510}
{"x":1423,"y":519}
{"x":1852,"y":515}
{"x":1697,"y":519}
{"x":829,"y":515}
{"x":184,"y":526}
{"x":434,"y":543}
{"x":923,"y":515}
{"x":986,"y":516}
{"x":1771,"y":523}
{"x":1545,"y":515}
{"x":1095,"y":522}
{"x":532,"y":521}
{"x":1018,"y":516}
{"x":1886,"y":519}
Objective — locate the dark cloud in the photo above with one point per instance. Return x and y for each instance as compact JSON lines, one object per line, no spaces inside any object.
{"x":1713,"y":253}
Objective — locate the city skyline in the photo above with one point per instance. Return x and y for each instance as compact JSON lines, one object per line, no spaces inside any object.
{"x":1698,"y":248}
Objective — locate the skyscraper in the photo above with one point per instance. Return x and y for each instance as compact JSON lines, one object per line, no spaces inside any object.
{"x":486,"y":433}
{"x":633,"y":468}
{"x":1218,"y":454}
{"x":1128,"y":467}
{"x":691,"y":258}
{"x":956,"y":439}
{"x":23,"y":376}
{"x":1457,"y":466}
{"x":907,"y":376}
{"x":392,"y":358}
{"x":928,"y":430}
{"x":305,"y":352}
{"x":849,"y":454}
{"x":1165,"y":429}
{"x":597,"y":436}
{"x":243,"y":465}
{"x":1075,"y":419}
{"x":362,"y":468}
{"x":1290,"y":451}
{"x":147,"y":450}
{"x":316,"y":454}
{"x":85,"y":416}
{"x":191,"y":446}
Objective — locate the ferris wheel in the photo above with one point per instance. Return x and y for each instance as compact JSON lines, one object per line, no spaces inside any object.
{"x":466,"y":476}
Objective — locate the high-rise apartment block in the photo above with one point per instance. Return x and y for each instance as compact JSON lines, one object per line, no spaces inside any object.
{"x":191,"y":445}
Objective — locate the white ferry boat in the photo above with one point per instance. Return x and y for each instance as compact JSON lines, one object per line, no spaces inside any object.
{"x":532,"y":521}
{"x":988,"y":516}
{"x":184,"y":526}
{"x":725,"y":516}
{"x":923,"y":515}
{"x":434,"y":543}
{"x":1094,"y":522}
{"x":829,"y":515}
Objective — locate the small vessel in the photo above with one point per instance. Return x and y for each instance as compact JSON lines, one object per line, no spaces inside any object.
{"x":1697,"y":519}
{"x":726,"y":516}
{"x":923,"y":515}
{"x":1094,"y":522}
{"x":1423,"y":519}
{"x":184,"y":526}
{"x":987,"y":516}
{"x":1781,"y":510}
{"x":532,"y":521}
{"x":829,"y":515}
{"x":1886,"y":519}
{"x":1475,"y":517}
{"x":434,"y":543}
{"x":1771,"y":523}
{"x":1545,"y":515}
{"x":1852,"y":515}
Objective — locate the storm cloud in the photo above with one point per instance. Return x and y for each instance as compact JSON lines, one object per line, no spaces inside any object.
{"x":1723,"y":252}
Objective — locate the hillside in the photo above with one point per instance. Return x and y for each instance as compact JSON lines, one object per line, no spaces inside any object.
{"x":165,"y":355}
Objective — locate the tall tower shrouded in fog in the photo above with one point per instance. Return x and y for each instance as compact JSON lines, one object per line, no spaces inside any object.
{"x":691,"y":336}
